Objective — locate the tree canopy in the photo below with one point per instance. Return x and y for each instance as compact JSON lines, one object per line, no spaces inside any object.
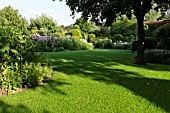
{"x":83,"y":24}
{"x":43,"y":22}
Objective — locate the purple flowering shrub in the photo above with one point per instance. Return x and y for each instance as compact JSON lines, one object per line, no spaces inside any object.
{"x":52,"y":44}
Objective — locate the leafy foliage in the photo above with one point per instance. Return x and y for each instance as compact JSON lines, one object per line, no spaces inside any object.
{"x":125,"y":27}
{"x":157,"y":56}
{"x":44,"y":24}
{"x":83,"y":24}
{"x":17,"y":58}
{"x":102,"y":32}
{"x":117,"y":37}
{"x":107,"y":44}
{"x":152,"y":15}
{"x":163,"y":36}
{"x":76,"y":32}
{"x":91,"y":37}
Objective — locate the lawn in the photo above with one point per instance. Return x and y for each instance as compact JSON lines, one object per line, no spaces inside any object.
{"x":96,"y":81}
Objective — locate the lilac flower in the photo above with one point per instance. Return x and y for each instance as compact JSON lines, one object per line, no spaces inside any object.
{"x":64,"y":39}
{"x":49,"y":37}
{"x":42,"y":39}
{"x":56,"y":39}
{"x":35,"y":36}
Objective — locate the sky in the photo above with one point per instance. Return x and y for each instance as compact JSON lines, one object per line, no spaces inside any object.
{"x":59,"y":11}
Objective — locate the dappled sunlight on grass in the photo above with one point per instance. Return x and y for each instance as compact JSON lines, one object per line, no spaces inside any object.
{"x":96,"y":81}
{"x":148,"y":81}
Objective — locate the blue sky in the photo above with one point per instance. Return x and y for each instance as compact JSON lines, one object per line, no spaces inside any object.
{"x":31,"y":8}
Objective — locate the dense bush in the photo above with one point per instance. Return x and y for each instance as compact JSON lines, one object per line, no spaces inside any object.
{"x":102,"y":32}
{"x":107,"y":44}
{"x":83,"y":24}
{"x":91,"y":37}
{"x":150,"y":43}
{"x":76,"y":32}
{"x":98,"y":43}
{"x":76,"y":26}
{"x":125,"y":27}
{"x":18,"y":62}
{"x":163,"y":36}
{"x":117,"y":37}
{"x":134,"y":46}
{"x":157,"y":56}
{"x":57,"y":34}
{"x":11,"y":18}
{"x":13,"y":77}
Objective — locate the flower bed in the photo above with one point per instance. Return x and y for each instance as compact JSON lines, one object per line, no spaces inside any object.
{"x":53,"y":44}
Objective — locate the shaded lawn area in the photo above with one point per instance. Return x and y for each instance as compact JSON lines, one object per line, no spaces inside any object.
{"x":96,"y":81}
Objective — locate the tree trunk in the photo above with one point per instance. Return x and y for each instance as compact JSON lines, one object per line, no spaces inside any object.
{"x":141,"y":35}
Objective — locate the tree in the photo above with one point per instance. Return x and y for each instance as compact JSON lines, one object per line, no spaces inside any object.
{"x":152,"y":15}
{"x":124,"y":26}
{"x":99,"y":10}
{"x":12,"y":18}
{"x":83,"y":24}
{"x":102,"y":32}
{"x":44,"y":23}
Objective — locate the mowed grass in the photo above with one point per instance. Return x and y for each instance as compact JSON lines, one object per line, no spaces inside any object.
{"x":96,"y":81}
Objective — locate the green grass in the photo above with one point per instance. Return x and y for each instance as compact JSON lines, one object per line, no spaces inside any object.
{"x":96,"y":81}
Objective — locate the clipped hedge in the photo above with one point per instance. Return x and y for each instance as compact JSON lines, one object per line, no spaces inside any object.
{"x":157,"y":56}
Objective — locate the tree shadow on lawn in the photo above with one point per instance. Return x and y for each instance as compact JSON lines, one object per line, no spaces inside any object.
{"x":127,"y":58}
{"x":124,"y":57}
{"x":156,"y":91}
{"x":6,"y":108}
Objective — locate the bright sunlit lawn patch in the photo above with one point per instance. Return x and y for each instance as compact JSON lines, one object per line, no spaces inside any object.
{"x":96,"y":81}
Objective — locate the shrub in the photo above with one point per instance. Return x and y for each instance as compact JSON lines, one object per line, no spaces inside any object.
{"x":163,"y":36}
{"x":150,"y":43}
{"x":157,"y":56}
{"x":57,"y":34}
{"x":85,"y":46}
{"x":13,"y":77}
{"x":76,"y":27}
{"x":117,"y":37}
{"x":76,"y":33}
{"x":18,"y":61}
{"x":134,"y":46}
{"x":107,"y":44}
{"x":91,"y":37}
{"x":60,"y":49}
{"x":98,"y":43}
